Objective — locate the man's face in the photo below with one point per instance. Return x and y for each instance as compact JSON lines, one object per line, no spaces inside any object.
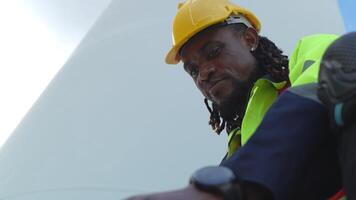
{"x":222,"y":67}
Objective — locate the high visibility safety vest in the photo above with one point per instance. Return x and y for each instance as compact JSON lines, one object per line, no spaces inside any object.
{"x":303,"y":68}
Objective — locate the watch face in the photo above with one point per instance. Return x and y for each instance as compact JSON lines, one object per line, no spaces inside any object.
{"x":213,"y":176}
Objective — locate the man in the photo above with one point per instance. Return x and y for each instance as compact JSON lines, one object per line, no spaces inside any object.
{"x":337,"y":90}
{"x":287,"y":153}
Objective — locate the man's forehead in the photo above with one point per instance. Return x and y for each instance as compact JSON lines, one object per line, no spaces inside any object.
{"x":202,"y":40}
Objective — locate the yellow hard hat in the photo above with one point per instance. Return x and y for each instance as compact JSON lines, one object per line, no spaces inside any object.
{"x":195,"y":15}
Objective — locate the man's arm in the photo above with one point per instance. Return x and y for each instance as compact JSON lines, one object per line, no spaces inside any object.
{"x":292,"y":153}
{"x":187,"y":193}
{"x":252,"y":192}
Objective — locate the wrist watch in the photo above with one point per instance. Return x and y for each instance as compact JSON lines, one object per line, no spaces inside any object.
{"x":218,"y":181}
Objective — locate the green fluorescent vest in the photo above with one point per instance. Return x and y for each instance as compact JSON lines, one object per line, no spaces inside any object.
{"x":303,"y":66}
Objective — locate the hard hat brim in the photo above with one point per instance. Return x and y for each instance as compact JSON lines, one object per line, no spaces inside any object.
{"x":172,"y":57}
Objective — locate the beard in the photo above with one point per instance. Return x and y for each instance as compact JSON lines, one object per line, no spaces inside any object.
{"x":234,"y":106}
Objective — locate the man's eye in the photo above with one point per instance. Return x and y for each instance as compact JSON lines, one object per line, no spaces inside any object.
{"x":194,"y":73}
{"x":214,"y":52}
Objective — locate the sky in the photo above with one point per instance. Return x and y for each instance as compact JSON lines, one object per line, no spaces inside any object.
{"x":347,"y":8}
{"x":36,"y":39}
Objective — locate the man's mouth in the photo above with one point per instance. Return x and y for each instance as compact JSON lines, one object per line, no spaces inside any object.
{"x":217,"y":90}
{"x":216,"y":83}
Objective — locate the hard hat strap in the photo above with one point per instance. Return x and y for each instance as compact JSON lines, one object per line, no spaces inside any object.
{"x":238,"y":19}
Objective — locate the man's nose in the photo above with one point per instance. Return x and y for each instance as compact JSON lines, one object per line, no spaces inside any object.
{"x":206,"y":73}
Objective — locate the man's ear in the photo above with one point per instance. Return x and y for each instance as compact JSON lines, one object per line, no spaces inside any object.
{"x":251,"y":37}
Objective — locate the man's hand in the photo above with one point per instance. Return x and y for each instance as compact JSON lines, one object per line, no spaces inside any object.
{"x":187,"y":193}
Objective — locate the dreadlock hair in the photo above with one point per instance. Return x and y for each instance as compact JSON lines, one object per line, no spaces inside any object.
{"x":273,"y":63}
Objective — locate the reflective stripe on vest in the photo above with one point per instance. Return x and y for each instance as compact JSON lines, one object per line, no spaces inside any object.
{"x":304,"y":68}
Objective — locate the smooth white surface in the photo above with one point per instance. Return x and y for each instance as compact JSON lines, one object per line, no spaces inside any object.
{"x":113,"y":118}
{"x":36,"y":39}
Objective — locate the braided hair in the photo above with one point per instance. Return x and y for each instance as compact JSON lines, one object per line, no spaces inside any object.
{"x":272,"y":61}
